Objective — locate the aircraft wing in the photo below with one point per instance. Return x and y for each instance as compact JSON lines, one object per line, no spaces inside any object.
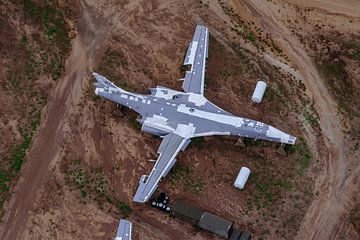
{"x":196,"y":55}
{"x":169,"y":148}
{"x":124,"y":230}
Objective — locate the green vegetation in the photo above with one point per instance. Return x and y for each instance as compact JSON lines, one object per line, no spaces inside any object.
{"x":310,"y":116}
{"x":124,"y":208}
{"x":44,"y":55}
{"x":287,"y":186}
{"x":357,"y":55}
{"x":267,"y":191}
{"x":197,"y":142}
{"x":114,"y":60}
{"x":341,"y":85}
{"x":251,"y":37}
{"x":335,"y":69}
{"x":135,"y":124}
{"x":19,"y":153}
{"x":303,"y":153}
{"x":57,"y":41}
{"x":184,"y":175}
{"x":96,"y":98}
{"x":17,"y":157}
{"x":355,"y":218}
{"x":93,"y":186}
{"x":271,"y":94}
{"x":4,"y":181}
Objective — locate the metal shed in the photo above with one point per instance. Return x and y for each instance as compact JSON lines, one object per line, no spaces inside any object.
{"x":186,"y":212}
{"x":215,"y":224}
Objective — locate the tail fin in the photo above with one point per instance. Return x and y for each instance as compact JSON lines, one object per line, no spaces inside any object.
{"x":103,"y":82}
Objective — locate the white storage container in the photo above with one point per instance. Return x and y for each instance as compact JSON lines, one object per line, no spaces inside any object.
{"x":242,"y":177}
{"x":259,"y":92}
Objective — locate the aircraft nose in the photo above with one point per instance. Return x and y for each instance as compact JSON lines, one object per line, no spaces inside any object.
{"x":291,"y":140}
{"x":274,"y":133}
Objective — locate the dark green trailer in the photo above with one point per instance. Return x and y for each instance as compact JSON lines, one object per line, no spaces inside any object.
{"x":215,"y":224}
{"x":235,"y":235}
{"x":245,"y":236}
{"x":186,"y":212}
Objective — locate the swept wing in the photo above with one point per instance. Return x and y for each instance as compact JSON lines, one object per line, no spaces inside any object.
{"x":196,"y":56}
{"x":169,"y":148}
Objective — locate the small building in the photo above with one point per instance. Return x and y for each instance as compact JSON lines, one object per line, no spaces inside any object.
{"x":215,"y":224}
{"x":186,"y":212}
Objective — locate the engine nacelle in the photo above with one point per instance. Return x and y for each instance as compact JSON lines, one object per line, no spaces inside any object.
{"x":152,"y":130}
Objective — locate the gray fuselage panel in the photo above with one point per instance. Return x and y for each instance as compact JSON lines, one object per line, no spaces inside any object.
{"x":204,"y":118}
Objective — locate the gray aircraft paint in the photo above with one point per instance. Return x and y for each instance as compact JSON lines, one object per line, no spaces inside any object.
{"x":124,"y":230}
{"x":179,"y":116}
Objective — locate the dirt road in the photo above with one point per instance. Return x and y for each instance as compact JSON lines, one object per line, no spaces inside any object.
{"x":48,"y":143}
{"x":335,"y":186}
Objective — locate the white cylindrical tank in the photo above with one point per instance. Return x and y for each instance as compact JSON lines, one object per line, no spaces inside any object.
{"x":259,"y":92}
{"x":242,"y":178}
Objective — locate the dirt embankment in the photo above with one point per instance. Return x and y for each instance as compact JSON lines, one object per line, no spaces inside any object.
{"x":46,"y":149}
{"x":335,"y":185}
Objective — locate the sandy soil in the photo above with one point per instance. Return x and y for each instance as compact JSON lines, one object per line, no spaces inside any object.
{"x":324,"y":213}
{"x":335,"y":185}
{"x":47,"y":147}
{"x":45,"y":203}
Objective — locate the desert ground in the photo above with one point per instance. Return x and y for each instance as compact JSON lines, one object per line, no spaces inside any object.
{"x":69,"y":166}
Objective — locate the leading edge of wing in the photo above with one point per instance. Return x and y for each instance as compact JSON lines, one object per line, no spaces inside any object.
{"x":196,"y":56}
{"x":169,"y":148}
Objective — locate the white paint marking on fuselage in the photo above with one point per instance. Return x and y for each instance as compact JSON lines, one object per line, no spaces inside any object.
{"x":203,"y":134}
{"x":220,"y":118}
{"x":193,"y":52}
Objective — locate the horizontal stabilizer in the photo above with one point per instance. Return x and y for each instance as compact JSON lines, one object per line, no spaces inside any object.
{"x":124,"y":230}
{"x":103,"y":82}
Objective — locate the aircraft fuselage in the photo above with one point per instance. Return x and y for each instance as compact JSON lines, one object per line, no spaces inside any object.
{"x":189,"y":115}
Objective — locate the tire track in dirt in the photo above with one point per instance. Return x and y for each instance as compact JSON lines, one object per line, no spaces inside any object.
{"x":324,"y":218}
{"x":48,"y":143}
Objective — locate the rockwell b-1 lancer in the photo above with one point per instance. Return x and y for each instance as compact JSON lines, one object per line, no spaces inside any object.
{"x":179,"y":116}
